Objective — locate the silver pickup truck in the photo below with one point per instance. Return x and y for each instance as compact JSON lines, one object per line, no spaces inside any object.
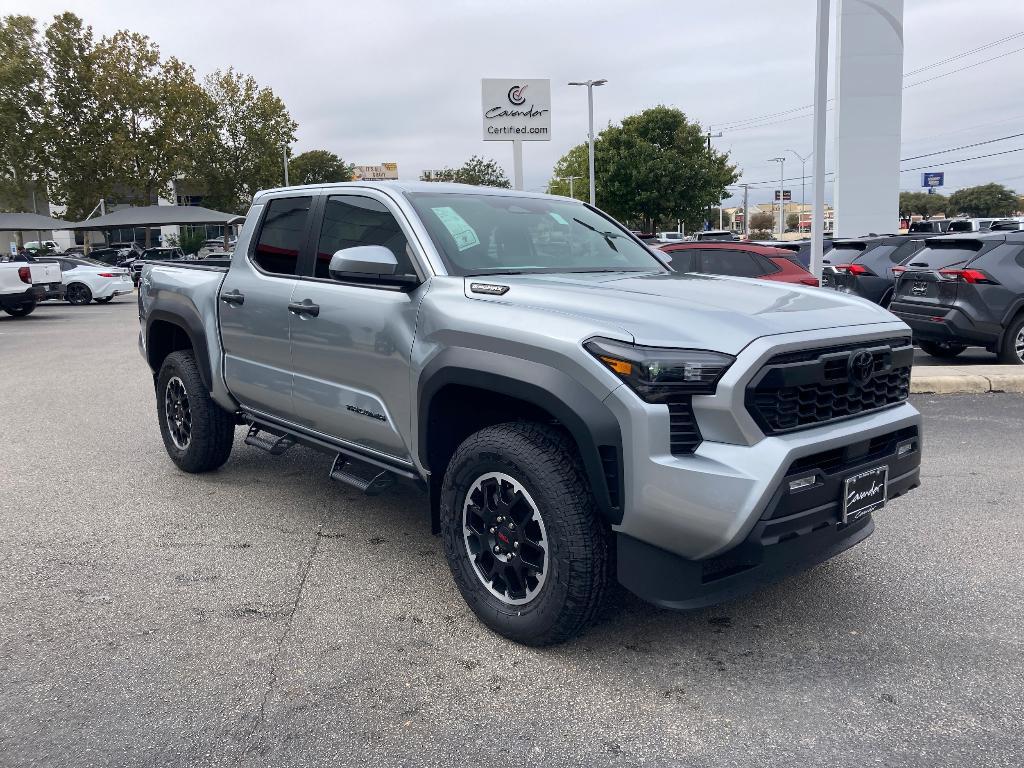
{"x":575,"y":410}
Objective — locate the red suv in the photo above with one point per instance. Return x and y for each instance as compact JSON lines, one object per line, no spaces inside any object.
{"x":739,"y":260}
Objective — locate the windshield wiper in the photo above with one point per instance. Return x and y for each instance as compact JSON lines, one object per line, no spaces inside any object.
{"x":606,"y":235}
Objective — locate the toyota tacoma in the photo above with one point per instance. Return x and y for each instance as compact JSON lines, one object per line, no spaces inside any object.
{"x":574,"y":410}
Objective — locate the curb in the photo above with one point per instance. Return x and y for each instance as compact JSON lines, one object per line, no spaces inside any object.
{"x":966,"y":380}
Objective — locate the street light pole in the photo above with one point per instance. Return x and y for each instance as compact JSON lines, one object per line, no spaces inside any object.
{"x":590,"y":115}
{"x":570,"y":179}
{"x":803,"y":185}
{"x":286,"y":165}
{"x":782,"y":192}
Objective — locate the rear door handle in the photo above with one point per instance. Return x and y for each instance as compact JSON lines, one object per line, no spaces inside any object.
{"x":233,"y":298}
{"x":304,"y":308}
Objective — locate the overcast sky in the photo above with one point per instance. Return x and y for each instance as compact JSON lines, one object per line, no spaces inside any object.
{"x":400,"y":81}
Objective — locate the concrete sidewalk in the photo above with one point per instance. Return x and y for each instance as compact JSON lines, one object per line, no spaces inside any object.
{"x":967,"y":379}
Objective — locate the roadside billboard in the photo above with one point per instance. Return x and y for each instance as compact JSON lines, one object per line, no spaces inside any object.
{"x":382,"y":172}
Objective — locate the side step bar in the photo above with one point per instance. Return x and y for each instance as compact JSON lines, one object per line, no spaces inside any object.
{"x":271,"y":442}
{"x":361,"y":475}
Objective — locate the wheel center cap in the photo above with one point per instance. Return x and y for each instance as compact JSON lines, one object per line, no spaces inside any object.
{"x":504,"y":538}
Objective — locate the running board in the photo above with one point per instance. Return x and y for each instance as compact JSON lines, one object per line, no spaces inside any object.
{"x":361,"y":475}
{"x":271,"y":442}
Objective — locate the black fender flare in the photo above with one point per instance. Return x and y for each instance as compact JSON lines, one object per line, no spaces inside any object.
{"x":1011,"y":313}
{"x":192,"y":325}
{"x":588,"y":420}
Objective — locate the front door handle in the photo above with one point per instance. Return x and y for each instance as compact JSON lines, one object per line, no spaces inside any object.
{"x":234,"y":297}
{"x":304,"y":308}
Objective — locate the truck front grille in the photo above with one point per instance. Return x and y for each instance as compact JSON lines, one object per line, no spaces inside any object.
{"x":797,"y":390}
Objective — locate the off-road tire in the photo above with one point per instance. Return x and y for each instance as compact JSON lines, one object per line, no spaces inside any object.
{"x":944,"y":351}
{"x":1010,"y":352}
{"x":212,"y":429}
{"x":544,"y":461}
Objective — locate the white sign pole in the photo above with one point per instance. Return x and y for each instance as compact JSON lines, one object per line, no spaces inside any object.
{"x":820,"y":104}
{"x":517,"y":164}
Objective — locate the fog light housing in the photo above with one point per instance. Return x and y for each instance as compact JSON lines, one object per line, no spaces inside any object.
{"x":802,"y":482}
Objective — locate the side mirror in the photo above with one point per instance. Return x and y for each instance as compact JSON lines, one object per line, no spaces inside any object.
{"x":363,"y":260}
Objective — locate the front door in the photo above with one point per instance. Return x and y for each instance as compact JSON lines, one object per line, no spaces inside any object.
{"x":351,"y":359}
{"x":253,"y":307}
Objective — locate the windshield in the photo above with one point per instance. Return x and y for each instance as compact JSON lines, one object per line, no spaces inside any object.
{"x":485,"y":234}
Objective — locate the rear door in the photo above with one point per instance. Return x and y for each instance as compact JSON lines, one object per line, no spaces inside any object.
{"x":254,"y":317}
{"x":351,"y":355}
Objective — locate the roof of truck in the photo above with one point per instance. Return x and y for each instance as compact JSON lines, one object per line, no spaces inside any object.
{"x":413,"y":186}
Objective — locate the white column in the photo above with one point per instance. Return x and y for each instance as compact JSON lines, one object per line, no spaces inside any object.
{"x":869,"y":102}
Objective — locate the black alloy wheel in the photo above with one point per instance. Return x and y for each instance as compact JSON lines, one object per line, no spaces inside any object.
{"x":78,"y":294}
{"x":178,"y":413}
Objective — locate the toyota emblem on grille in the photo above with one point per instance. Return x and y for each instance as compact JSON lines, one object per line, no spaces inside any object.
{"x":861,"y":366}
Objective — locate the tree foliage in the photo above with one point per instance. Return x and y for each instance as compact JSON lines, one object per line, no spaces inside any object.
{"x":922,"y":204}
{"x":572,"y":163}
{"x":318,"y":166}
{"x":22,"y":77}
{"x":654,"y":168}
{"x":244,"y":152}
{"x":761,"y":221}
{"x":984,"y":200}
{"x":477,"y":170}
{"x":792,"y":221}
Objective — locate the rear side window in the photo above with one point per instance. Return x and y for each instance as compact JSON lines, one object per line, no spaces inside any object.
{"x":733,"y":263}
{"x":682,"y":260}
{"x":352,"y":220}
{"x":281,"y":236}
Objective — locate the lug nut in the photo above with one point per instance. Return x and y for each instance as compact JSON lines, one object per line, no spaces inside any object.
{"x":515,"y":545}
{"x":497,"y":550}
{"x":511,"y":526}
{"x":494,"y":530}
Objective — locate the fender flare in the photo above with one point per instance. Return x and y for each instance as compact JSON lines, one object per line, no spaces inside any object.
{"x":588,"y":420}
{"x":191,"y":324}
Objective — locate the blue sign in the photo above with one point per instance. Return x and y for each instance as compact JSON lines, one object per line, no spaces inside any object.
{"x":933,"y":179}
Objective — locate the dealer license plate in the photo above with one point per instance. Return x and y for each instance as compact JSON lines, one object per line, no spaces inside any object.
{"x":864,"y":493}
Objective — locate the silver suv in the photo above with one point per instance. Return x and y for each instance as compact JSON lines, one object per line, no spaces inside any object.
{"x":574,"y":409}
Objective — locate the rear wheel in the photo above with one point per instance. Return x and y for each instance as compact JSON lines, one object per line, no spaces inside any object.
{"x":197,"y":432}
{"x":942,"y":349}
{"x":1012,"y":350}
{"x":523,"y":538}
{"x":78,"y":294}
{"x":21,"y":310}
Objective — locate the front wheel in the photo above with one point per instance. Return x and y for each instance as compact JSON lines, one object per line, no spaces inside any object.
{"x":197,"y":432}
{"x":21,"y":310}
{"x":943,"y":349}
{"x":78,"y":294}
{"x":522,"y":534}
{"x":1012,"y":350}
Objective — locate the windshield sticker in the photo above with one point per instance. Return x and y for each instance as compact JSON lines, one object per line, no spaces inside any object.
{"x":558,"y":218}
{"x":463,"y":234}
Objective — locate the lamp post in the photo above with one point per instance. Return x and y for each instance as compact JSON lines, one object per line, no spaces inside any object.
{"x":803,"y":184}
{"x":711,"y":136}
{"x":286,"y":165}
{"x":590,"y":113}
{"x":782,"y":192}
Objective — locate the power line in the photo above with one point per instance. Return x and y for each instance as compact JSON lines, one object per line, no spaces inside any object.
{"x":966,"y":159}
{"x":961,"y":69}
{"x":965,"y":146}
{"x":961,"y":55}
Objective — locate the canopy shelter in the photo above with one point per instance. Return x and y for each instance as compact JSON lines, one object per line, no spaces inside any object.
{"x":155,"y":216}
{"x":25,"y":222}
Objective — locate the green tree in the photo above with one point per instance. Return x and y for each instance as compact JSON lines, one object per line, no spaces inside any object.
{"x":793,"y":221}
{"x":477,"y":170}
{"x":761,"y":221}
{"x":922,"y":204}
{"x":78,"y":139}
{"x":572,"y":163}
{"x":22,"y":82}
{"x":656,"y":167}
{"x":244,"y":151}
{"x":156,"y":109}
{"x":318,"y":166}
{"x":985,"y":200}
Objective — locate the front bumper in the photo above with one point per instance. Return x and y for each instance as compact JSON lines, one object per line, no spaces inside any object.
{"x":796,"y":531}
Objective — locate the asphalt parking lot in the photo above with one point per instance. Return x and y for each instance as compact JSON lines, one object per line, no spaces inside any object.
{"x":263,"y":615}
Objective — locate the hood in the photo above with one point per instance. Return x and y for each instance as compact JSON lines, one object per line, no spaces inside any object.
{"x":723,"y":314}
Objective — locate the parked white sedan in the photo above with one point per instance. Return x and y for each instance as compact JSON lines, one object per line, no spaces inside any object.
{"x":86,"y":280}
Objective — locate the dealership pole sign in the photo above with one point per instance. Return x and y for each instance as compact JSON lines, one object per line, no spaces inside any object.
{"x":933,"y":179}
{"x":516,"y":111}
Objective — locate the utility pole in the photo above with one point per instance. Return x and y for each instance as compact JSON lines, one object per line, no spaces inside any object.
{"x":746,"y":213}
{"x":570,"y":179}
{"x":820,"y":104}
{"x":711,"y":136}
{"x":286,"y":165}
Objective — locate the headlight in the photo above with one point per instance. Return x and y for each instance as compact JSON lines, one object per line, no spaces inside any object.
{"x":661,"y":375}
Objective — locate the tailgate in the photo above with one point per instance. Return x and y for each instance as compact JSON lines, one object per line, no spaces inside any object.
{"x":926,"y":287}
{"x":44,"y":273}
